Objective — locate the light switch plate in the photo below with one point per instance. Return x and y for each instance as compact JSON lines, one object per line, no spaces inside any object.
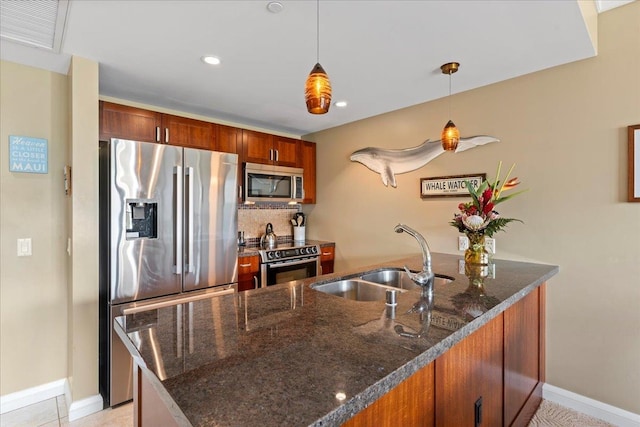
{"x":24,"y":247}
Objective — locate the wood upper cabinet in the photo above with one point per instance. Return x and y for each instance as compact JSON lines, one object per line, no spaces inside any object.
{"x":137,"y":124}
{"x":228,"y":139}
{"x":469,"y":375}
{"x":122,"y":121}
{"x":307,"y":161}
{"x":187,"y":132}
{"x":287,"y":151}
{"x":267,"y":149}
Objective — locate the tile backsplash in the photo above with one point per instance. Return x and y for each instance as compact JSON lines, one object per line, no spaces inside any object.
{"x":253,"y":219}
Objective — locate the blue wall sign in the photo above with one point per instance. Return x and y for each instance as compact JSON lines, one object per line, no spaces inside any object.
{"x":28,"y":155}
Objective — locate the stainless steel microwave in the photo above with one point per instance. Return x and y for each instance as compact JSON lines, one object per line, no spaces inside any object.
{"x":268,"y":183}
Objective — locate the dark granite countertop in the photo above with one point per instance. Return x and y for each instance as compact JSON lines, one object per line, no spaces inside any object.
{"x":290,"y":355}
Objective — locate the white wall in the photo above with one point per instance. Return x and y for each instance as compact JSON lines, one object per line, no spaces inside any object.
{"x":33,"y":305}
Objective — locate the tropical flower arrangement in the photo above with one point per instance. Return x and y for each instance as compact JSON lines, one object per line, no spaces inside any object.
{"x":478,"y":218}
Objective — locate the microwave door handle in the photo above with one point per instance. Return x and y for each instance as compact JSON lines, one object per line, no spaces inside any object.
{"x":177,"y":172}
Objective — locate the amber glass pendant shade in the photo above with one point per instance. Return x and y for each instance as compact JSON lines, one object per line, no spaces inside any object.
{"x":450,"y":137}
{"x":317,"y":91}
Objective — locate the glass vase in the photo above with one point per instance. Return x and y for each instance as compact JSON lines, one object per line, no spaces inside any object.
{"x":476,"y":254}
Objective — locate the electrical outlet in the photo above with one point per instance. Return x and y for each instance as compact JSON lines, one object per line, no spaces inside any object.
{"x":463,"y":243}
{"x":490,"y":245}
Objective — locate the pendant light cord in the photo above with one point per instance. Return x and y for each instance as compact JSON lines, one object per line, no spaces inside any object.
{"x":449,"y":95}
{"x":318,"y":31}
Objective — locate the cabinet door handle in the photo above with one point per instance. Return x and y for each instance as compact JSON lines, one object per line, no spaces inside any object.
{"x":166,"y":135}
{"x":277,"y":155}
{"x":270,"y":154}
{"x":157,"y":133}
{"x":245,"y":265}
{"x":255,"y":280}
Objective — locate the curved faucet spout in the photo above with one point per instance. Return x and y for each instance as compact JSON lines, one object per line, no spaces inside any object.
{"x":425,"y":277}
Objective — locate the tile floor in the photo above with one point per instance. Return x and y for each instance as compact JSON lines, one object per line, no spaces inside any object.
{"x":53,"y":413}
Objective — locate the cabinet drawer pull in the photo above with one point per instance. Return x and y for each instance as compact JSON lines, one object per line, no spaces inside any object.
{"x":245,"y":265}
{"x":326,"y":253}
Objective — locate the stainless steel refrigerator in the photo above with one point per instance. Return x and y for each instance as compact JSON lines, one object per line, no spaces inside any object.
{"x":168,"y":231}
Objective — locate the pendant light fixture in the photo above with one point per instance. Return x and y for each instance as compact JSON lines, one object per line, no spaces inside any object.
{"x":450,"y":134}
{"x":317,"y":90}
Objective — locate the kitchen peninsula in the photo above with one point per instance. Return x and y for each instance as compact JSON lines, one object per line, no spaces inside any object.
{"x":291,"y":355}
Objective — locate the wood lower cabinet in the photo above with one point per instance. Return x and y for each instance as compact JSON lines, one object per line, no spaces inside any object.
{"x":493,"y":377}
{"x":248,"y":272}
{"x":469,"y":380}
{"x":409,"y":404}
{"x":524,"y":372}
{"x":327,"y":257}
{"x":148,"y":407}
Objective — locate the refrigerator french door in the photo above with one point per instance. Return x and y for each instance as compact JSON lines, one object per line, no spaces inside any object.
{"x":168,"y":227}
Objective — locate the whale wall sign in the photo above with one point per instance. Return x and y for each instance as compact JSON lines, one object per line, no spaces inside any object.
{"x":389,"y":163}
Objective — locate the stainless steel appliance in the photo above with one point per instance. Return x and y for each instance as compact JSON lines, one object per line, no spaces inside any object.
{"x":288,"y":263}
{"x":168,"y":229}
{"x":267,"y":183}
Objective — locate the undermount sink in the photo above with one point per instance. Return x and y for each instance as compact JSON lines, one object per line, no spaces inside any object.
{"x":355,"y":289}
{"x":398,"y":278}
{"x":374,"y":285}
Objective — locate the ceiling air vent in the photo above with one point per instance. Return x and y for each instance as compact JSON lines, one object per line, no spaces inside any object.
{"x":37,"y":23}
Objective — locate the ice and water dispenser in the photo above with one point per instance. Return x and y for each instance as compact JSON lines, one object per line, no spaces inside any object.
{"x":142,"y":219}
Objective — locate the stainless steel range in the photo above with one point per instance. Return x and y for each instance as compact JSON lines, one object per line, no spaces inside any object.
{"x":286,"y":263}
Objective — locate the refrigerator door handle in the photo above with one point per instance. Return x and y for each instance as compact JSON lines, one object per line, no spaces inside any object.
{"x":177,"y":172}
{"x":189,"y":217}
{"x":178,"y":301}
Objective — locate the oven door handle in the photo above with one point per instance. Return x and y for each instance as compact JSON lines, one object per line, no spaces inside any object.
{"x":288,"y":263}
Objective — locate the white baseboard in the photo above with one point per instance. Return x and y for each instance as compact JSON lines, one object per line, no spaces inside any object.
{"x":76,"y":410}
{"x":594,"y":408}
{"x":84,"y":407}
{"x":20,"y":399}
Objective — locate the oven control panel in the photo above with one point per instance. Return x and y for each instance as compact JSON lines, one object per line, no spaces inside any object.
{"x":271,"y":255}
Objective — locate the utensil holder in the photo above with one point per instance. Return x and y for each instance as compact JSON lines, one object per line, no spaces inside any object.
{"x":299,"y":234}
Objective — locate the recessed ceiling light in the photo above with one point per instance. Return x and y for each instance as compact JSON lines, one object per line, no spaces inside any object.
{"x":340,"y":104}
{"x":211,"y":60}
{"x":275,"y":7}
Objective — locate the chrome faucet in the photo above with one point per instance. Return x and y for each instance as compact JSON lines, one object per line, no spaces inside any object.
{"x":426,"y":276}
